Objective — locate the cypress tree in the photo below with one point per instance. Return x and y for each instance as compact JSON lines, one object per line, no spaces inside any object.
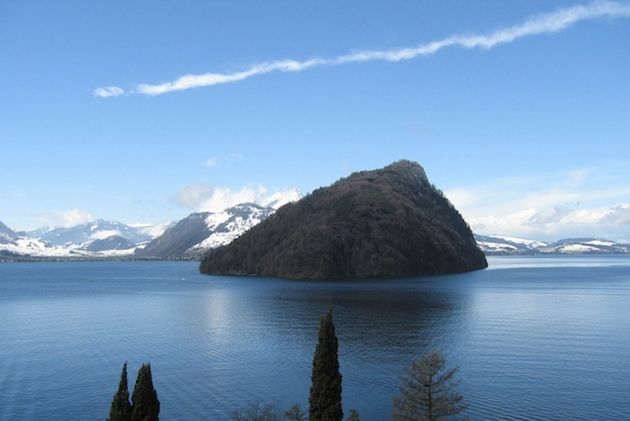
{"x":121,"y":408}
{"x":146,"y":406}
{"x":325,"y":397}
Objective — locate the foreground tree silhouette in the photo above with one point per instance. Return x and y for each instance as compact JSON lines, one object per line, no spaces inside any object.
{"x":428,"y":391}
{"x":325,"y":397}
{"x":295,"y":413}
{"x":146,"y":406}
{"x":353,"y":416}
{"x":256,"y":412}
{"x":121,"y":407}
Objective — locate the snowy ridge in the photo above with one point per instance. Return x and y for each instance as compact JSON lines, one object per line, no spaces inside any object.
{"x":200,"y":232}
{"x":230,"y":224}
{"x":98,"y":239}
{"x":502,"y":245}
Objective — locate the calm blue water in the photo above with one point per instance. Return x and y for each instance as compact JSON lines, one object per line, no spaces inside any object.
{"x":535,"y":338}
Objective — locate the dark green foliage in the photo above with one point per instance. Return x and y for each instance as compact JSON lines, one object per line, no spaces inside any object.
{"x":384,"y":223}
{"x":353,"y":416}
{"x":428,"y":392}
{"x":146,"y":406}
{"x":325,"y":397}
{"x":120,"y":409}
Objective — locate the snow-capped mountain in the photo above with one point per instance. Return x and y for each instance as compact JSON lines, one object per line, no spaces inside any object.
{"x":99,"y":238}
{"x":6,"y":234}
{"x":189,"y":238}
{"x":501,"y":245}
{"x":587,"y":246}
{"x":202,"y":231}
{"x":495,"y":244}
{"x":82,"y":235}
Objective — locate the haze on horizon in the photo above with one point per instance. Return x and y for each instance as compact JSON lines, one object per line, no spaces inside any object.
{"x":144,"y":113}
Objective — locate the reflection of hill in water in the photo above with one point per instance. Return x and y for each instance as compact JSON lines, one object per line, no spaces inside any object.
{"x":383,"y":325}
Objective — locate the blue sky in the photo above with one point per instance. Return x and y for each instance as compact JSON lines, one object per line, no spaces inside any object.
{"x":529,"y":136}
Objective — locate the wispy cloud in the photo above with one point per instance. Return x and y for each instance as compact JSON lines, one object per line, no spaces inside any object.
{"x":211,"y":162}
{"x":107,"y":91}
{"x":556,"y":21}
{"x":215,"y":161}
{"x":203,"y":198}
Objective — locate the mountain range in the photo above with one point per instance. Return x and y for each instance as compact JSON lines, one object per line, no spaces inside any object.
{"x":195,"y":235}
{"x":501,"y":245}
{"x":188,"y":238}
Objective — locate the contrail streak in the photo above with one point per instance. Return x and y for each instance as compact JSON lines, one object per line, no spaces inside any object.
{"x":540,"y":24}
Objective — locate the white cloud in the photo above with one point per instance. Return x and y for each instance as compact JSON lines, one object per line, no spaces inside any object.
{"x":102,"y":235}
{"x":540,"y":24}
{"x":281,"y":198}
{"x":215,"y":161}
{"x":461,"y":198}
{"x":74,"y":217}
{"x":68,"y":218}
{"x":211,"y":162}
{"x":153,"y":230}
{"x":107,"y":91}
{"x":203,"y":198}
{"x":191,"y":196}
{"x":570,"y":206}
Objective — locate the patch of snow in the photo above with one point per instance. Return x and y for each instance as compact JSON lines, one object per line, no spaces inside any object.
{"x":101,"y":235}
{"x":577,"y":248}
{"x":517,"y":240}
{"x":152,"y":230}
{"x":226,"y":228}
{"x":114,"y":253}
{"x":604,"y":243}
{"x":489,"y":246}
{"x":215,"y":219}
{"x":33,"y":247}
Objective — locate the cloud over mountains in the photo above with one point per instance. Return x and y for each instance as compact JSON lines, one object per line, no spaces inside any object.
{"x":574,"y":205}
{"x":203,"y":198}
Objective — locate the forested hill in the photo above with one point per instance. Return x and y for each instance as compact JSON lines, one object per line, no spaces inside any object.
{"x":384,"y":223}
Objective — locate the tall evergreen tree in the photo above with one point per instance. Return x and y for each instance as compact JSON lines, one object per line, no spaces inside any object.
{"x":146,"y":406}
{"x":325,"y":397}
{"x":121,"y":408}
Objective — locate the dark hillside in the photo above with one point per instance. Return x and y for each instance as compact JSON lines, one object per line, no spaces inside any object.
{"x":385,"y":223}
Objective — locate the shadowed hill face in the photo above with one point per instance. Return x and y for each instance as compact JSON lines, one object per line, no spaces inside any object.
{"x":384,"y":223}
{"x":6,"y":234}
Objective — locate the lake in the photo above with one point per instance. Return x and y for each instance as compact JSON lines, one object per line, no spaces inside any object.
{"x":536,"y":338}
